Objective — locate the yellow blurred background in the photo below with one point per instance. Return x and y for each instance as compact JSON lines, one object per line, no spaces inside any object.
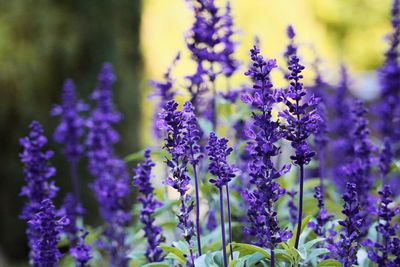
{"x":338,"y":31}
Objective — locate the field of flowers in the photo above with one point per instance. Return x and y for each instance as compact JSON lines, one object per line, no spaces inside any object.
{"x":250,"y":175}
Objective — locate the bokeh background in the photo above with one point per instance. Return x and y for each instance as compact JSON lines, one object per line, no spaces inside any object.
{"x":43,"y":42}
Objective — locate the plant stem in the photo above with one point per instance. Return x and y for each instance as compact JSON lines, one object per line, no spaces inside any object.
{"x":196,"y":180}
{"x":214,"y":101}
{"x":221,"y":210}
{"x":229,"y":220}
{"x":272,"y":257}
{"x":300,"y":215}
{"x":322,"y":171}
{"x":75,"y":181}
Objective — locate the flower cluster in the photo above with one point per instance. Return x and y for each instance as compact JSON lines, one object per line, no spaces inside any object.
{"x":347,"y":247}
{"x":358,"y":170}
{"x":71,"y":127}
{"x":262,"y":136}
{"x":389,"y":76}
{"x":111,"y":186}
{"x":37,"y":173}
{"x":380,"y":252}
{"x":46,"y":253}
{"x":153,"y":233}
{"x":217,"y":151}
{"x":173,"y":122}
{"x":323,"y":217}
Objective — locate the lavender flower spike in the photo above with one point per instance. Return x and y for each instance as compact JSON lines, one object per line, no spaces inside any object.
{"x":380,"y":252}
{"x":49,"y":227}
{"x":301,"y":121}
{"x":153,"y":233}
{"x":81,"y":251}
{"x":37,"y":173}
{"x":323,"y":217}
{"x":192,"y":137}
{"x":70,"y":130}
{"x":218,"y":151}
{"x":389,"y":77}
{"x":262,"y":135}
{"x":347,"y":247}
{"x":173,"y":122}
{"x":111,"y":186}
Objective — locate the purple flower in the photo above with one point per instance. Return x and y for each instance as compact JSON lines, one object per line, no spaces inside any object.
{"x":152,"y":232}
{"x":323,"y":217}
{"x":217,"y":151}
{"x":386,"y":157}
{"x":380,"y":252}
{"x":81,"y":252}
{"x":211,"y":220}
{"x":302,"y":120}
{"x":341,"y":146}
{"x":111,"y":186}
{"x":70,"y":130}
{"x":358,"y":170}
{"x":71,"y":127}
{"x":173,"y":122}
{"x":164,"y":90}
{"x":46,"y":253}
{"x":37,"y":172}
{"x":72,"y":210}
{"x":262,"y":135}
{"x":228,"y":62}
{"x":347,"y":247}
{"x":389,"y":76}
{"x":192,"y":137}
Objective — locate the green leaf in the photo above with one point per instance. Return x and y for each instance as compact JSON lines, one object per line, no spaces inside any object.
{"x":311,"y":243}
{"x":177,"y":254}
{"x":246,"y":249}
{"x":329,"y":263}
{"x":137,"y":156}
{"x":157,"y":264}
{"x":304,"y":223}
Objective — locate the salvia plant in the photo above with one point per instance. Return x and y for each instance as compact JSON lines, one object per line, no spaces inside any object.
{"x":238,"y":175}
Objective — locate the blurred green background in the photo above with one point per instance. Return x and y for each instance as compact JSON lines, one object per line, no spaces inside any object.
{"x":42,"y":42}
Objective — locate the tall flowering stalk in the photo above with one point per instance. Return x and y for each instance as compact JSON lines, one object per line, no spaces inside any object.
{"x":342,"y":122}
{"x":49,"y":227}
{"x":153,"y":233}
{"x":173,"y":122}
{"x":38,"y":173}
{"x":262,"y":137}
{"x":111,"y":186}
{"x":323,"y":217}
{"x":301,"y":121}
{"x":192,"y":137}
{"x":358,"y":170}
{"x":210,"y":43}
{"x":347,"y":247}
{"x":70,"y":130}
{"x":380,"y":252}
{"x":218,"y":151}
{"x":321,"y":135}
{"x":389,"y":76}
